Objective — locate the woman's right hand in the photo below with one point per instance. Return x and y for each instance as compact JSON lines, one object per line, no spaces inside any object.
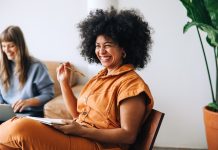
{"x":64,"y":72}
{"x":71,"y":127}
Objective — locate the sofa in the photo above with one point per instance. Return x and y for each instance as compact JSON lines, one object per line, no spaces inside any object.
{"x":55,"y":108}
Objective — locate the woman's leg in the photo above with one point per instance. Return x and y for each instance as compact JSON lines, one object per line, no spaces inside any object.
{"x":3,"y":147}
{"x":27,"y":134}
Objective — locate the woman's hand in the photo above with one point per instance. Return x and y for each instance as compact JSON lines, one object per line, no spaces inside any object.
{"x":64,"y":72}
{"x":20,"y":105}
{"x":71,"y":127}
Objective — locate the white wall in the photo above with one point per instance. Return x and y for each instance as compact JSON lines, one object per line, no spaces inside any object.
{"x":176,"y":74}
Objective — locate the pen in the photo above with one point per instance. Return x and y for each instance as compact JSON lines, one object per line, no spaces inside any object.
{"x":72,"y":69}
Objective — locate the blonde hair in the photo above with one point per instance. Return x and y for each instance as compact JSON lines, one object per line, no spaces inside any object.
{"x":23,"y":61}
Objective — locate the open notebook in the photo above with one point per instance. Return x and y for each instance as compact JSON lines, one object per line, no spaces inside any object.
{"x":48,"y":121}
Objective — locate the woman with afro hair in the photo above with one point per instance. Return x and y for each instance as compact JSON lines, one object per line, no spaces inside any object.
{"x":112,"y":106}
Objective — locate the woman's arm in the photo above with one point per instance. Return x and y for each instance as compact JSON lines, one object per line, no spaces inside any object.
{"x":132,"y":111}
{"x":63,"y":76}
{"x":39,"y":85}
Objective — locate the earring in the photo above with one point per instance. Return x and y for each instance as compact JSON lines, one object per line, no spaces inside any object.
{"x":124,"y":54}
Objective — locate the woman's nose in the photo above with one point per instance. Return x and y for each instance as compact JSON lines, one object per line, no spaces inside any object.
{"x":102,"y":50}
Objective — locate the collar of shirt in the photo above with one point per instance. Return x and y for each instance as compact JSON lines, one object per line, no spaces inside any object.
{"x":123,"y":69}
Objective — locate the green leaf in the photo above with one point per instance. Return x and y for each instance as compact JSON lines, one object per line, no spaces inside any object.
{"x":204,"y":15}
{"x":197,"y":11}
{"x":212,"y":33}
{"x":213,"y":107}
{"x":187,"y":26}
{"x":212,"y":8}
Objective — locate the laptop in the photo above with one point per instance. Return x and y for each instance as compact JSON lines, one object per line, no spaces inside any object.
{"x":6,"y":112}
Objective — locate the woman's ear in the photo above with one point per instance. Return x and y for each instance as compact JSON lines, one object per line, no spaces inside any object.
{"x":124,"y":53}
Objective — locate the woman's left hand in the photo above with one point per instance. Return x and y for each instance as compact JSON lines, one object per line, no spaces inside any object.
{"x":20,"y":105}
{"x":71,"y":127}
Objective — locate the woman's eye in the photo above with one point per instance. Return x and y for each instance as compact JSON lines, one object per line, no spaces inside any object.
{"x":107,"y":46}
{"x":11,"y":46}
{"x":97,"y":46}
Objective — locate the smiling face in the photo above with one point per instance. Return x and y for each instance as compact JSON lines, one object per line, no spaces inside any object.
{"x":108,"y":52}
{"x":10,"y":49}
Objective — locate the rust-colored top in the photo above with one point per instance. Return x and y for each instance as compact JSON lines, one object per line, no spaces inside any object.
{"x":98,"y":103}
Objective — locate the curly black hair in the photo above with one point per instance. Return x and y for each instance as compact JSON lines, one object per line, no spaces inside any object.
{"x":126,"y":28}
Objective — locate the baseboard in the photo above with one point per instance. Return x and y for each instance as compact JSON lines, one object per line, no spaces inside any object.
{"x":173,"y":148}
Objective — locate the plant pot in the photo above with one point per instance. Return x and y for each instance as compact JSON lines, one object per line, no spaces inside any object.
{"x":211,"y":128}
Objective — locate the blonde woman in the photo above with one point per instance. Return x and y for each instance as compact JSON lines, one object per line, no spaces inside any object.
{"x":24,"y":80}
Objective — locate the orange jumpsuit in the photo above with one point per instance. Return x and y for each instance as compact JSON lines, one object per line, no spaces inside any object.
{"x":98,"y":105}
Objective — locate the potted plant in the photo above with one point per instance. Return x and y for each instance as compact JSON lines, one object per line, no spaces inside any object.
{"x":204,"y":16}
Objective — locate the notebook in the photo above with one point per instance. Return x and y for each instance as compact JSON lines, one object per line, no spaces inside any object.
{"x":48,"y":121}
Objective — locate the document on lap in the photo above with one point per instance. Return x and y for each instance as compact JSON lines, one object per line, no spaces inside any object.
{"x":48,"y":121}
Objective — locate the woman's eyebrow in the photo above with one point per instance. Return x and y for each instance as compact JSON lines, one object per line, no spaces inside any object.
{"x":107,"y":42}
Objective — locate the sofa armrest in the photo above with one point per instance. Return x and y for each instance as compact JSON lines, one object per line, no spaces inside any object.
{"x":56,"y":108}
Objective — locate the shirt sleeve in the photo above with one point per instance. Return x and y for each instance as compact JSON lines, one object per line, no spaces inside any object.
{"x":133,"y":86}
{"x":44,"y":84}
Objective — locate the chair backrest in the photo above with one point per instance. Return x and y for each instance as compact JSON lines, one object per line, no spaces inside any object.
{"x":149,"y":131}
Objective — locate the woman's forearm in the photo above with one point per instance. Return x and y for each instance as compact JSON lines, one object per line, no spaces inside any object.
{"x":114,"y":136}
{"x":69,"y":99}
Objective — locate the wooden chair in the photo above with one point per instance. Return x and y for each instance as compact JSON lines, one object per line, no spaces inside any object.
{"x":149,"y":131}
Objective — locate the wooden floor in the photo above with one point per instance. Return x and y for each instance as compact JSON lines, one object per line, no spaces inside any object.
{"x":163,"y":148}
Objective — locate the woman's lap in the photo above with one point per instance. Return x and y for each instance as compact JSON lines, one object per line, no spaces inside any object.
{"x":30,"y":134}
